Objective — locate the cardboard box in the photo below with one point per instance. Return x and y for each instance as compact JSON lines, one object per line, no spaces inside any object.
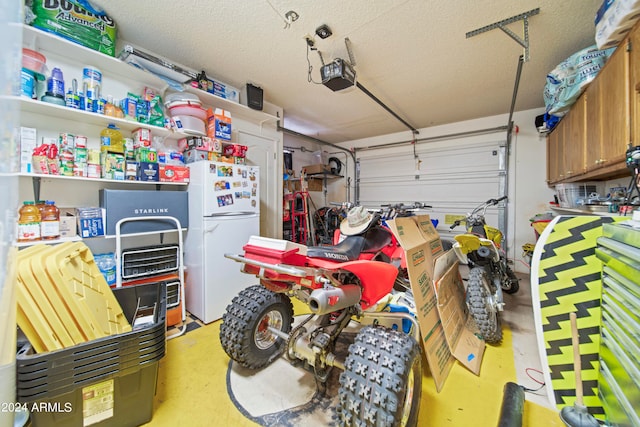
{"x":174,"y":173}
{"x":459,"y":329}
{"x":68,"y":222}
{"x":195,"y":155}
{"x":119,"y":204}
{"x":318,"y":168}
{"x":148,"y":171}
{"x":28,"y":142}
{"x":90,"y":222}
{"x":314,"y":185}
{"x":421,"y":244}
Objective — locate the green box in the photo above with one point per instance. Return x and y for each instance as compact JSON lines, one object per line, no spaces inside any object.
{"x":148,"y":155}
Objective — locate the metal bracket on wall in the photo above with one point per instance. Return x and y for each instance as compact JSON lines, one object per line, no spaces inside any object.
{"x":524,"y":17}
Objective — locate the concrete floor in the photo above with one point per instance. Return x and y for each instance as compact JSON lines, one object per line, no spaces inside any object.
{"x":196,"y":374}
{"x":518,"y":315}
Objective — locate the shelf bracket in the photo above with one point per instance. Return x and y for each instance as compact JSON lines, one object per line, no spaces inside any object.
{"x":522,"y":41}
{"x":35,"y":181}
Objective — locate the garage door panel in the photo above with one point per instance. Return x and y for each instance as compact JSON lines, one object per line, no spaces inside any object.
{"x":454,"y":177}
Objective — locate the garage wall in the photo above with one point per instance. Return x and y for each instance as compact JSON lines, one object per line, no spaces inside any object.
{"x":443,"y":182}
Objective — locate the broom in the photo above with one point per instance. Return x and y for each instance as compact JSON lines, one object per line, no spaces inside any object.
{"x":577,"y":415}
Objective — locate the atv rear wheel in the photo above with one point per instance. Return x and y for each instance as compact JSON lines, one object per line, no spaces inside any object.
{"x":244,"y":332}
{"x":382,"y":381}
{"x":482,"y":305}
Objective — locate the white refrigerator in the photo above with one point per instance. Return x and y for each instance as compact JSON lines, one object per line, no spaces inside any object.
{"x":224,"y":211}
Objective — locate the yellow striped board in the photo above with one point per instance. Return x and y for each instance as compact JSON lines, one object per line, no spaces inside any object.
{"x":566,"y":276}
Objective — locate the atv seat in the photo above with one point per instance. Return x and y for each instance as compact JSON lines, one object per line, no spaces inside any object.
{"x":351,"y":247}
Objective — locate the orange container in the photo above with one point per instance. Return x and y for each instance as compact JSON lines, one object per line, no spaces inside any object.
{"x":29,"y":222}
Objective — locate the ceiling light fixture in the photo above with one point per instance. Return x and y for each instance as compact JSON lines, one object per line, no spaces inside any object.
{"x":323,"y":31}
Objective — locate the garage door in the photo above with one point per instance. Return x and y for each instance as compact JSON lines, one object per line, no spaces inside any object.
{"x":452,"y":176}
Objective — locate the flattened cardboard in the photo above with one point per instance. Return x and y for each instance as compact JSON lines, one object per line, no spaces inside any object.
{"x":452,"y":308}
{"x":419,"y":250}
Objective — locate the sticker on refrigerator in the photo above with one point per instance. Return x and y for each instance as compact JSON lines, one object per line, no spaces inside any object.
{"x":243,"y":173}
{"x":226,"y":200}
{"x":221,"y":185}
{"x":254,"y":190}
{"x":212,"y":168}
{"x":253,"y":203}
{"x":252,"y":175}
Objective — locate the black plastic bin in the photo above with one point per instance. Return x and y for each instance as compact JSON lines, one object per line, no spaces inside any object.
{"x":110,"y":381}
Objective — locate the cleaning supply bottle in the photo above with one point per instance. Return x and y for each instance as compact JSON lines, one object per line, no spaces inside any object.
{"x":29,"y":222}
{"x":50,"y":221}
{"x":111,"y":139}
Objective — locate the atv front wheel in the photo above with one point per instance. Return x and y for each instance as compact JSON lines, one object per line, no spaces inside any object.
{"x":382,"y":381}
{"x":482,"y":305}
{"x":245,"y":334}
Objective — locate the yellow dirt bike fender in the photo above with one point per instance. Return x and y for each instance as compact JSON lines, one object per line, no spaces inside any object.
{"x":466,"y":243}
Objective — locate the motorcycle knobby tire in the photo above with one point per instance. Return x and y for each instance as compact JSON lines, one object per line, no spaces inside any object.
{"x":243,"y":332}
{"x":382,"y":381}
{"x":513,"y":284}
{"x":483,"y":311}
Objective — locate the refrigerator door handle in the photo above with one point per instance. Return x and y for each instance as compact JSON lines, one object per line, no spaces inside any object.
{"x":211,"y":229}
{"x":228,"y":214}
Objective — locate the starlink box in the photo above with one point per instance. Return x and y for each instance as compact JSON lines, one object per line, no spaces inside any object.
{"x":119,"y":204}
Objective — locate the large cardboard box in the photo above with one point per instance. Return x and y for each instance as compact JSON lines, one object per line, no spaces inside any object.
{"x":422,"y":245}
{"x":459,"y":329}
{"x":317,"y":168}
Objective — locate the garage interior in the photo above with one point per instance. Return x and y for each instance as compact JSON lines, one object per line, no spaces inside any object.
{"x":435,"y":108}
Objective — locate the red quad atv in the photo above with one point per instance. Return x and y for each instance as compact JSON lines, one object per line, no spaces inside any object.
{"x":381,"y":382}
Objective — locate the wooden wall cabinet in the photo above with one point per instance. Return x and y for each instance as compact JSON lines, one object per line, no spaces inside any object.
{"x":555,"y":145}
{"x":574,"y":139}
{"x":634,"y":84}
{"x":605,"y":119}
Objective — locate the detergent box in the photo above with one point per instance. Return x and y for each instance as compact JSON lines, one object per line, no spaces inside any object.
{"x":75,"y":23}
{"x":219,"y":124}
{"x":421,"y":244}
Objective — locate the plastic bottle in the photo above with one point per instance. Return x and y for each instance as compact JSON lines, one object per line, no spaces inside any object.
{"x":55,"y":83}
{"x":50,"y":221}
{"x":111,"y":139}
{"x":107,"y":265}
{"x":29,"y":222}
{"x":40,"y":206}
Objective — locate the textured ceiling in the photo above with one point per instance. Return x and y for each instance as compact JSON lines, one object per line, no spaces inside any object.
{"x":413,"y":55}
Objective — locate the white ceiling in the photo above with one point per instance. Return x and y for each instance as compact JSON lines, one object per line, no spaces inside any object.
{"x":413,"y":55}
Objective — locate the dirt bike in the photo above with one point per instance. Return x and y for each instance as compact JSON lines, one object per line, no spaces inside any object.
{"x":489,"y":274}
{"x":381,"y":379}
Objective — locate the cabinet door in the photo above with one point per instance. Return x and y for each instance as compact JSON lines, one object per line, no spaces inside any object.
{"x":555,"y":146}
{"x":634,"y":84}
{"x":594,"y":157}
{"x":614,"y":95}
{"x":574,"y":141}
